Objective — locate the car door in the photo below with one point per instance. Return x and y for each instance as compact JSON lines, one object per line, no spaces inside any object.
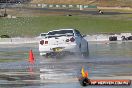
{"x":78,"y":38}
{"x":82,"y":43}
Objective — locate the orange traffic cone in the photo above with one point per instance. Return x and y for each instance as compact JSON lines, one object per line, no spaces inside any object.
{"x":31,"y":57}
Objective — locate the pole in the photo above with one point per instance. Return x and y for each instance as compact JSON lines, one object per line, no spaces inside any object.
{"x":5,"y":14}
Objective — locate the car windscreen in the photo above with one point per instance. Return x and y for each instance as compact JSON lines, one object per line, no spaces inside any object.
{"x":61,"y":32}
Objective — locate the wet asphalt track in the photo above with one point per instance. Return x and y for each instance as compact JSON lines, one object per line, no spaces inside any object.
{"x":112,"y":60}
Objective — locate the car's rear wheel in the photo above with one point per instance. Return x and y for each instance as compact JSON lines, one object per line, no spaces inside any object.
{"x":86,"y":54}
{"x":42,"y":54}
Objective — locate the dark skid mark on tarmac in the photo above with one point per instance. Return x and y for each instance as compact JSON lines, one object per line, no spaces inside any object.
{"x":76,"y":11}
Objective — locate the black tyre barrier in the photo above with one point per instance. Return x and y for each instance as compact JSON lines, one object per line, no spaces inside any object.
{"x":4,"y":36}
{"x":113,"y":38}
{"x":85,"y":81}
{"x":124,"y":38}
{"x":129,"y":38}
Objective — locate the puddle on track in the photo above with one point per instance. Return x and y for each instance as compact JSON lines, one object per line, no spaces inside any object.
{"x":105,"y":60}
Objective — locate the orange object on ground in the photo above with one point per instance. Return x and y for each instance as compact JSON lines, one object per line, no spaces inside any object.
{"x":31,"y":57}
{"x":86,"y":74}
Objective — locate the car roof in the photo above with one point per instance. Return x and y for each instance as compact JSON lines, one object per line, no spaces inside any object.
{"x":43,"y":33}
{"x":61,"y":29}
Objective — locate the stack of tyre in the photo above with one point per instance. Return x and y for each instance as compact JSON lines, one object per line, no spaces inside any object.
{"x":126,"y":38}
{"x":113,"y":38}
{"x":4,"y":36}
{"x":129,"y":38}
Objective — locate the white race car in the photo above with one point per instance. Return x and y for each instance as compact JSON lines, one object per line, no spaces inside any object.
{"x":63,"y":41}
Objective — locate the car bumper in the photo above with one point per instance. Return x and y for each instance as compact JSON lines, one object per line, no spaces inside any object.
{"x":65,"y":47}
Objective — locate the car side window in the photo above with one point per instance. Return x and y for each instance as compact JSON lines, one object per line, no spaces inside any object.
{"x":60,"y":32}
{"x":78,"y":33}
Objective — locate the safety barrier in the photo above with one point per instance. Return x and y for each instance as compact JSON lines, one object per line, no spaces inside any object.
{"x":63,"y":6}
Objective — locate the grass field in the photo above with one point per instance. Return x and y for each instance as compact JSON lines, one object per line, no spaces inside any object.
{"x":33,"y":26}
